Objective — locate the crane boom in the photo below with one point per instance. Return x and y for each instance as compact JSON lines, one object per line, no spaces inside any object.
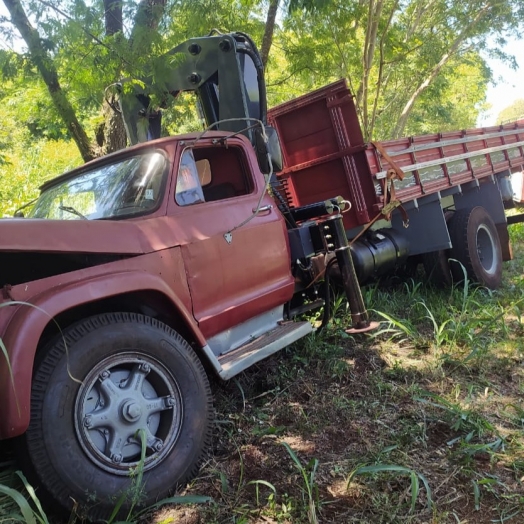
{"x":224,"y":70}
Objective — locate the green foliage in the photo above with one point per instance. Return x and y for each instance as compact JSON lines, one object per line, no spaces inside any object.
{"x":30,"y":515}
{"x":414,"y":67}
{"x":308,"y":473}
{"x":511,"y":113}
{"x":29,"y":164}
{"x":34,"y":146}
{"x":453,"y":100}
{"x":462,"y":420}
{"x":387,"y":50}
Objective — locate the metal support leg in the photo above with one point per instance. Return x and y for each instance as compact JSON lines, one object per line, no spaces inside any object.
{"x":359,"y":315}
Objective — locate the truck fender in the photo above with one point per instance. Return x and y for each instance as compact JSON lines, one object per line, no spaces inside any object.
{"x":28,"y":323}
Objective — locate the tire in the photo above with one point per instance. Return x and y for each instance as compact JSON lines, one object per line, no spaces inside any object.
{"x":121,"y":373}
{"x":476,"y":245}
{"x":437,"y":268}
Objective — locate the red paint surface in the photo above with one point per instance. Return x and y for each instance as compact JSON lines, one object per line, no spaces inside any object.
{"x":490,"y":165}
{"x":178,"y":252}
{"x":325,"y":154}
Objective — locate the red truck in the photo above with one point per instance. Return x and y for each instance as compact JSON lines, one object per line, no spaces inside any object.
{"x":136,"y":276}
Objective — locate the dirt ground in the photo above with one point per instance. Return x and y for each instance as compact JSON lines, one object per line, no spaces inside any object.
{"x":350,"y":404}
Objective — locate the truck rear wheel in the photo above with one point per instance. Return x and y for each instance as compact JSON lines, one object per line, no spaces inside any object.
{"x":476,"y":245}
{"x":121,"y":380}
{"x":437,"y":269}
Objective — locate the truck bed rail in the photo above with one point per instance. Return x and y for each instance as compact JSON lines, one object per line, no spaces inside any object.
{"x":433,"y":163}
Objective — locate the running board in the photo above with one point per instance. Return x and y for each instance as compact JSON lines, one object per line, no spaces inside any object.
{"x":241,"y":358}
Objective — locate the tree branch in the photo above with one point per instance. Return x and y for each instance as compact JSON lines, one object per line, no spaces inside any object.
{"x":401,"y":124}
{"x":269,"y":30}
{"x":46,"y":67}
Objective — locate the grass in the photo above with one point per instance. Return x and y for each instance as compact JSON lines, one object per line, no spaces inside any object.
{"x":19,"y":502}
{"x":423,"y":422}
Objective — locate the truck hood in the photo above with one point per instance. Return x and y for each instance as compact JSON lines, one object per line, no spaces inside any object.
{"x":78,"y":236}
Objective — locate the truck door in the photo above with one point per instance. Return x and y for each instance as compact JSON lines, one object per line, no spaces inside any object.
{"x":237,"y":264}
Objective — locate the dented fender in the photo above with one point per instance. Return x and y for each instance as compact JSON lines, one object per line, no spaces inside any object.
{"x":27,"y":323}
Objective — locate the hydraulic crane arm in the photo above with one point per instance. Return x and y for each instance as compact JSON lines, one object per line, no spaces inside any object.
{"x":227,"y":75}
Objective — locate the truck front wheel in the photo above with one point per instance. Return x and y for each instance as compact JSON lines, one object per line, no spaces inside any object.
{"x":116,"y":395}
{"x":476,"y":245}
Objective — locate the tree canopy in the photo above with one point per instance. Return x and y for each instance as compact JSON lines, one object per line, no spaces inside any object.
{"x":414,"y":66}
{"x":514,"y":111}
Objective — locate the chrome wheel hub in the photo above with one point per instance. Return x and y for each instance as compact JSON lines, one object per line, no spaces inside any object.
{"x":126,"y":401}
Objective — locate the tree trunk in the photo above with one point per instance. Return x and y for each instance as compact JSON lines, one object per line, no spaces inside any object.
{"x":113,"y":16}
{"x":403,"y":119}
{"x":46,"y":67}
{"x":370,"y":130}
{"x":375,"y":12}
{"x":113,"y":133}
{"x":114,"y":137}
{"x":269,"y":30}
{"x":147,"y":18}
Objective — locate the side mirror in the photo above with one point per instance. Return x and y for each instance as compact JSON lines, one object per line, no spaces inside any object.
{"x":269,"y":150}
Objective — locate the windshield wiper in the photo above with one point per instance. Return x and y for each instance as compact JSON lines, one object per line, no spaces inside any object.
{"x":72,"y":210}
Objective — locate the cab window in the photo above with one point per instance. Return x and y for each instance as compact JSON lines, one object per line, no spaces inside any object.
{"x":207,"y":174}
{"x":188,"y":186}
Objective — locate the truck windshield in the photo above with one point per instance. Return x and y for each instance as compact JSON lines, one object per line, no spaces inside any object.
{"x":125,"y":188}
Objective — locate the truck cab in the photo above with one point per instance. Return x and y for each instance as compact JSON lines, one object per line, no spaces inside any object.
{"x":130,"y":281}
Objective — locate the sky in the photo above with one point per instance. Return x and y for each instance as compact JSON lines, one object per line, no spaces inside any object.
{"x":509,"y":83}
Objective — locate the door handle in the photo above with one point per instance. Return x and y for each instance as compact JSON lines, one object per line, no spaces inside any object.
{"x":263,"y":209}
